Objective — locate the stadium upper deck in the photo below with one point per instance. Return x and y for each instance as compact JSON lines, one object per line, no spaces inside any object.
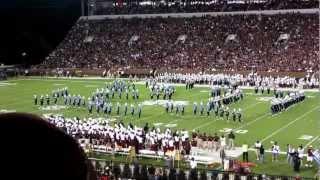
{"x":264,"y":42}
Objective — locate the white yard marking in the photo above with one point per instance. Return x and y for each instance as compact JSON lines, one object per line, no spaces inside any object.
{"x":305,"y":137}
{"x":171,"y":125}
{"x":253,"y":121}
{"x":289,"y":124}
{"x":88,"y":86}
{"x":53,"y":107}
{"x":268,"y":151}
{"x":6,"y":111}
{"x":204,"y":91}
{"x":59,"y":84}
{"x":310,"y":142}
{"x":3,"y":84}
{"x":157,"y":124}
{"x":163,"y":102}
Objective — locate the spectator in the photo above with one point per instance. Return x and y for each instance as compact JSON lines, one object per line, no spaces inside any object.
{"x":296,"y":162}
{"x":202,"y":6}
{"x":271,"y":43}
{"x":245,"y":154}
{"x":261,"y":155}
{"x":64,"y":159}
{"x":231,"y":138}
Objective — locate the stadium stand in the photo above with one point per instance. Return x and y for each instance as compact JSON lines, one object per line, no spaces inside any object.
{"x":270,"y":43}
{"x":102,"y":7}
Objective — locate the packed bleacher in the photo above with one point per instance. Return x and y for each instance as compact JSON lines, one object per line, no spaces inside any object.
{"x":272,"y":43}
{"x":148,"y":7}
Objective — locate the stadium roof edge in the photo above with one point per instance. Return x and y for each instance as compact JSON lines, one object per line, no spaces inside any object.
{"x":200,"y":14}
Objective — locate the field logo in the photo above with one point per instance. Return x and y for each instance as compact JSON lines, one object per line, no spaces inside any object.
{"x":163,"y":103}
{"x":241,"y":131}
{"x":265,"y":99}
{"x":305,"y":137}
{"x":52,"y":108}
{"x":227,"y":130}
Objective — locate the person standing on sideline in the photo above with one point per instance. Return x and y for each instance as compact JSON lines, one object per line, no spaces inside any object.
{"x":261,"y":153}
{"x":296,"y":162}
{"x":257,"y":146}
{"x":309,"y":156}
{"x":223,"y":141}
{"x":245,"y":155}
{"x":222,"y":156}
{"x":275,"y":149}
{"x":231,"y":138}
{"x":290,"y":154}
{"x":301,"y":154}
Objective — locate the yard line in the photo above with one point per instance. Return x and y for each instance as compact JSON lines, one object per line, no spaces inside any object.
{"x":314,"y":139}
{"x":253,"y":121}
{"x":248,"y":107}
{"x":267,"y":151}
{"x":289,"y":124}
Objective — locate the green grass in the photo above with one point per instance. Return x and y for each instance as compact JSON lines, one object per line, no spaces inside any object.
{"x":286,"y":127}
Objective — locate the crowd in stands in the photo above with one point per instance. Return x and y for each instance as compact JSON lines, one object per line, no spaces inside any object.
{"x":273,"y":43}
{"x":129,"y":7}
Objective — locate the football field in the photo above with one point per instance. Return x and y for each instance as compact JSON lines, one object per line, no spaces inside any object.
{"x":300,"y":124}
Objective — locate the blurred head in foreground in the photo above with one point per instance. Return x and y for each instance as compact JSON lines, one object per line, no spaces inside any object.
{"x":32,"y":148}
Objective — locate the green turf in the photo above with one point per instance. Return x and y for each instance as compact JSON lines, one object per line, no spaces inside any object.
{"x":286,"y":127}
